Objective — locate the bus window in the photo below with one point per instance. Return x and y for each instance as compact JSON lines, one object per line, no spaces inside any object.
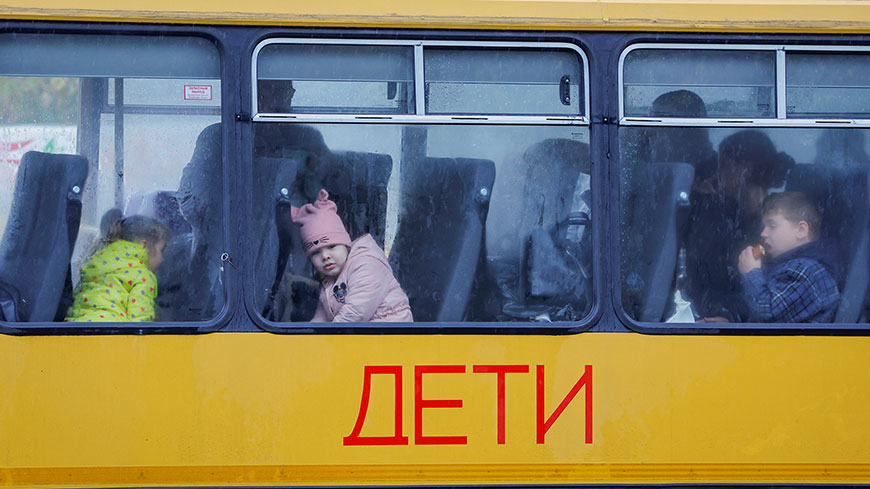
{"x":479,"y":222}
{"x":509,"y":81}
{"x":735,"y":83}
{"x":141,"y":115}
{"x":355,"y":79}
{"x":827,"y":85}
{"x":472,"y":232}
{"x":695,"y":198}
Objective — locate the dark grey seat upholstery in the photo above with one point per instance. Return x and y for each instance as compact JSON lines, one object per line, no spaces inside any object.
{"x":842,"y":195}
{"x":43,"y":225}
{"x":362,"y":205}
{"x":440,"y":238}
{"x":270,"y":228}
{"x":653,"y":197}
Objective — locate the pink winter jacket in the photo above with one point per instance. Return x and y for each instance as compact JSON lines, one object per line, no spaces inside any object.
{"x":364,"y":291}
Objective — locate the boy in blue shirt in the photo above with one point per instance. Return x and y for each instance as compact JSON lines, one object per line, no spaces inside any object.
{"x":796,"y":282}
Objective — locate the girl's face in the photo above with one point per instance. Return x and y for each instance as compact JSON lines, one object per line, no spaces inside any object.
{"x":155,"y":253}
{"x":330,"y":260}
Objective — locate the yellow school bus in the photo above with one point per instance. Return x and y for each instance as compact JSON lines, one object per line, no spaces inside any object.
{"x":564,"y":191}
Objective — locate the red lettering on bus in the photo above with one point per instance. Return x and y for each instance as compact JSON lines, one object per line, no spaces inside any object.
{"x":397,"y":439}
{"x":501,"y":371}
{"x":544,"y":425}
{"x":420,"y":404}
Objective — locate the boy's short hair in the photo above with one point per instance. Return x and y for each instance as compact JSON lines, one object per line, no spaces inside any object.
{"x":795,"y":207}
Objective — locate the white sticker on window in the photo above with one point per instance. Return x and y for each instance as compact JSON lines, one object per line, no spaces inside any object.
{"x":197,"y":92}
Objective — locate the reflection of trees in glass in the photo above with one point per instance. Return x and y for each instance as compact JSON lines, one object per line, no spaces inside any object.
{"x":27,"y":100}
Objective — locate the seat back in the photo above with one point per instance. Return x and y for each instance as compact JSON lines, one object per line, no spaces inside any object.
{"x":273,"y":179}
{"x":439,"y":240}
{"x":842,"y":195}
{"x":356,"y":182}
{"x":42,"y":228}
{"x":653,"y":197}
{"x":361,"y":197}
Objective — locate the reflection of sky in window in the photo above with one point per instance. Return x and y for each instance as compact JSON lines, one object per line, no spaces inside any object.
{"x":720,"y":101}
{"x":166,"y":92}
{"x":502,"y":81}
{"x":731,"y":83}
{"x":349,"y":96}
{"x":499,"y":98}
{"x":828,"y":84}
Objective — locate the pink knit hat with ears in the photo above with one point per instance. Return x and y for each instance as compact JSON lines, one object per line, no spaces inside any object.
{"x":320,"y":223}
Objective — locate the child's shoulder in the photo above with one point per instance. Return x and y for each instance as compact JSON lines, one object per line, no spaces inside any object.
{"x":803,"y":267}
{"x":117,"y":257}
{"x":365,"y":250}
{"x":365,"y":245}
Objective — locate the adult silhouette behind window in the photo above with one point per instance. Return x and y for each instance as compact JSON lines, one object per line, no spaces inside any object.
{"x":277,"y":140}
{"x":726,"y":217}
{"x":678,"y":144}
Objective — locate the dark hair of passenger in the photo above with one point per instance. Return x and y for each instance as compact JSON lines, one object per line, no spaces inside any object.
{"x":274,"y":95}
{"x":679,"y":103}
{"x":752,"y":149}
{"x":132,"y":228}
{"x":795,"y":207}
{"x":682,"y":144}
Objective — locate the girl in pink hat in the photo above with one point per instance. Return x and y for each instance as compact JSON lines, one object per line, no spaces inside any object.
{"x":357,"y":283}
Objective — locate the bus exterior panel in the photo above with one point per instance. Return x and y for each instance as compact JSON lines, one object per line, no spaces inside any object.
{"x":258,"y":409}
{"x":754,"y":16}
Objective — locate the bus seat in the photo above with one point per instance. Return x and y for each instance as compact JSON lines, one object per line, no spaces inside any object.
{"x":273,"y":180}
{"x":191,"y":289}
{"x":161,"y":205}
{"x":362,"y":202}
{"x":653,"y":196}
{"x":440,"y":237}
{"x":356,"y":181}
{"x":41,"y":232}
{"x":551,"y":172}
{"x":842,"y":196}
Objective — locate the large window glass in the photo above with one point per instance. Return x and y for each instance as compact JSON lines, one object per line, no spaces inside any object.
{"x":727,"y":224}
{"x":446,"y":222}
{"x":111,"y":173}
{"x":693,"y":199}
{"x":477,"y":223}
